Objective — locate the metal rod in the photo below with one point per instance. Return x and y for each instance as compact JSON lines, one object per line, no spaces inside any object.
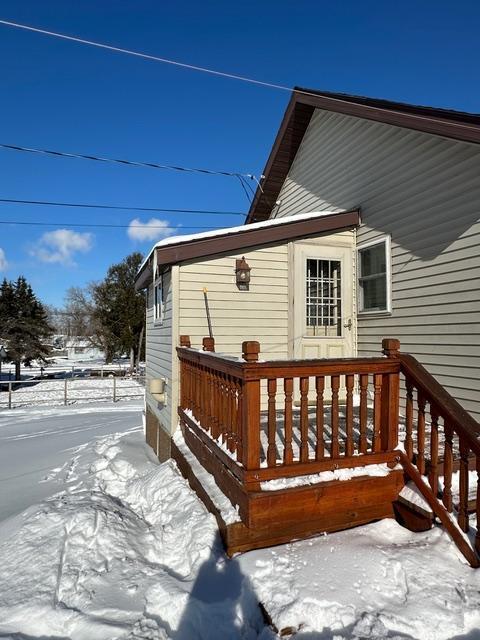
{"x":207,"y":309}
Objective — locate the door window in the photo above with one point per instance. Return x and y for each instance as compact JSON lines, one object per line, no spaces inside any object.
{"x":323,"y":298}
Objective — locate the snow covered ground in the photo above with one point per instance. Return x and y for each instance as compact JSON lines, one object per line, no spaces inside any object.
{"x":36,"y":443}
{"x":52,"y":392}
{"x":123,"y":549}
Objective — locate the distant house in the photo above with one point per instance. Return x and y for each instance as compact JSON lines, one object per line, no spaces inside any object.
{"x":80,"y":348}
{"x":366,"y":227}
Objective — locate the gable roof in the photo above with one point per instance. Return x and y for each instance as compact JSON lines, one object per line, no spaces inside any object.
{"x":200,"y":245}
{"x":457,"y":125}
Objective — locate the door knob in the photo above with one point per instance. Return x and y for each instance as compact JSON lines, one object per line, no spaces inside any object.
{"x":349,"y":324}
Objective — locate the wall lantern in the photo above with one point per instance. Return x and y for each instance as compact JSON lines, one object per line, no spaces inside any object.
{"x":242,"y":274}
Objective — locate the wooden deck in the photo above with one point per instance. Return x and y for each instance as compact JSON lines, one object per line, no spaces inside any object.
{"x":241,"y":421}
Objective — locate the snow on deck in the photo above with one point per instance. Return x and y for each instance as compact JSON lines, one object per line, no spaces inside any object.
{"x":125,"y":550}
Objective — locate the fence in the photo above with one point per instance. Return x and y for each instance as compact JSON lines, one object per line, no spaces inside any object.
{"x":69,"y":391}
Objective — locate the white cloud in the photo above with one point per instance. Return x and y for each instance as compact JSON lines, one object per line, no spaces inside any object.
{"x":3,"y":260}
{"x":154,"y":229}
{"x":60,"y":246}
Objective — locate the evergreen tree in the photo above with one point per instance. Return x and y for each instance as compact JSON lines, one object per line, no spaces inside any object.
{"x":24,"y":326}
{"x":119,"y":310}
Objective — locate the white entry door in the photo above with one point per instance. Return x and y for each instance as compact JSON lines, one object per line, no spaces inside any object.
{"x":323,"y":312}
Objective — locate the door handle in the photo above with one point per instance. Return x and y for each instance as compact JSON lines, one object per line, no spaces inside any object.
{"x":349,"y":324}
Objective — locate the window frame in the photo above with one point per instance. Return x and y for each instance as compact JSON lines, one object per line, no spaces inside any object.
{"x":339,"y":299}
{"x":158,"y":283}
{"x":386,"y":241}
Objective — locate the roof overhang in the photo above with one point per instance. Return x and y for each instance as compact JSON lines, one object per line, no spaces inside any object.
{"x":245,"y":238}
{"x":303,"y":102}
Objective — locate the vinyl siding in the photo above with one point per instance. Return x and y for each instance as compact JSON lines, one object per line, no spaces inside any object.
{"x":424,"y":190}
{"x":159,"y":351}
{"x":262,"y":313}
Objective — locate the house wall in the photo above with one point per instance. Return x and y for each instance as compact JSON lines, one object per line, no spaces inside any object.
{"x":424,"y":190}
{"x":160,"y":361}
{"x":263,"y":313}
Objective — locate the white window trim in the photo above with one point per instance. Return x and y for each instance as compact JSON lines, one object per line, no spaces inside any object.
{"x":158,"y":320}
{"x":386,"y":240}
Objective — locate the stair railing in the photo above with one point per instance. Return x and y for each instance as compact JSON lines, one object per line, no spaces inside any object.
{"x":440,"y":438}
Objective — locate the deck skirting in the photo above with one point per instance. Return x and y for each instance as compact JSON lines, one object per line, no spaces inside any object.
{"x":276,"y":517}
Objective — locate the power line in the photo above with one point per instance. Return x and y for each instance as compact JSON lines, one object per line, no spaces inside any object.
{"x":106,"y":226}
{"x":121,"y":207}
{"x":147,"y":56}
{"x":151,"y":165}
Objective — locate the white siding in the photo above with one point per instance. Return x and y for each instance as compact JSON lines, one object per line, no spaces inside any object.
{"x":424,"y":190}
{"x":262,"y":313}
{"x":159,"y":352}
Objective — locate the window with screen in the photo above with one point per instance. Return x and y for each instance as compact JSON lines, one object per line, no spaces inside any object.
{"x":323,"y":298}
{"x":374,"y":276}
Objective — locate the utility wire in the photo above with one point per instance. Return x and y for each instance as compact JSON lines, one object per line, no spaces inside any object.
{"x":106,"y":226}
{"x":121,"y":207}
{"x":147,"y":56}
{"x":151,"y":165}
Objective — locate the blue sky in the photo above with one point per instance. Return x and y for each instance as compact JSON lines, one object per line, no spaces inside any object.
{"x":66,"y":96}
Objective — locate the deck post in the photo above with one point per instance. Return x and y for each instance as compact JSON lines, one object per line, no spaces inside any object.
{"x":251,"y":410}
{"x":185,"y":341}
{"x":208,"y":344}
{"x":390,"y":398}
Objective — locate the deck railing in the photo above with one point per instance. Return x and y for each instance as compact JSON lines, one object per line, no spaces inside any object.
{"x":274,"y":419}
{"x":288,"y":418}
{"x":441,"y":444}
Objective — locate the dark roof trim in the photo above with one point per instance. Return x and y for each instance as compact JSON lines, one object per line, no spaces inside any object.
{"x":244,"y":239}
{"x":456,"y":125}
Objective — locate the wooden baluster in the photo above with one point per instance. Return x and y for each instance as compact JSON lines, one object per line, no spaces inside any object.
{"x":433,"y":473}
{"x":421,"y":433}
{"x":201,"y":395}
{"x":335,"y":385}
{"x":228,"y":413}
{"x":319,"y":416}
{"x":448,"y":468}
{"x":194,"y":391}
{"x":477,"y":535}
{"x":303,"y":419}
{"x":272,"y":422}
{"x":234,"y":411}
{"x":224,"y":422}
{"x":198,"y":402}
{"x":239,"y":388}
{"x":182,"y":384}
{"x":216,"y":406}
{"x":231,"y":414}
{"x":463,"y":486}
{"x":349,"y":445}
{"x":409,"y":421}
{"x":363,"y":413}
{"x":377,"y":412}
{"x":288,"y":419}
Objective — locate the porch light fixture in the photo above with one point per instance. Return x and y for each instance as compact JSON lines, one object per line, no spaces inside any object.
{"x":242,"y":274}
